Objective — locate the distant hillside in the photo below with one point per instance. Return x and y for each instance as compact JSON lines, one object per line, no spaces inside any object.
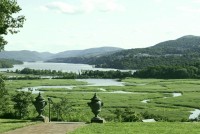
{"x":26,"y":55}
{"x":87,"y":52}
{"x":182,"y":51}
{"x":8,"y":63}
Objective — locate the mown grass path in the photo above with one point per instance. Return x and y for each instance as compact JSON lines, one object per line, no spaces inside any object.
{"x":47,"y":128}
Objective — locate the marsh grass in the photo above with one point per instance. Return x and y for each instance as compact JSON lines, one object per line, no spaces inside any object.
{"x":19,"y":84}
{"x":158,"y":91}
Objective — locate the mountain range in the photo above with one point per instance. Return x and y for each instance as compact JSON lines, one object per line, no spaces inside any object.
{"x":26,"y":55}
{"x":180,"y":52}
{"x":183,"y":51}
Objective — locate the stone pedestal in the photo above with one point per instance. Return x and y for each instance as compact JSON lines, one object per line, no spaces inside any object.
{"x":39,"y":104}
{"x":95,"y":106}
{"x":42,"y":118}
{"x":97,"y":120}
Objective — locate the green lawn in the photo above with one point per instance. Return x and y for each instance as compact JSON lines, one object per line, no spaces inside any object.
{"x":140,"y":128}
{"x":11,"y":124}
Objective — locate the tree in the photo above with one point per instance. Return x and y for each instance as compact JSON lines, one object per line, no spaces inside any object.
{"x":4,"y":98}
{"x":62,"y":108}
{"x":22,"y":101}
{"x":127,"y":115}
{"x":9,"y":23}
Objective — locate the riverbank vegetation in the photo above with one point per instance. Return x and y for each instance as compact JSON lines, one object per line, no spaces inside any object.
{"x":170,"y":72}
{"x":137,"y":100}
{"x":158,"y":72}
{"x":162,"y":106}
{"x":84,"y":74}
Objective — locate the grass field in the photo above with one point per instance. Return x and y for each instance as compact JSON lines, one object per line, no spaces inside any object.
{"x":158,"y":91}
{"x":140,"y":128}
{"x":11,"y":124}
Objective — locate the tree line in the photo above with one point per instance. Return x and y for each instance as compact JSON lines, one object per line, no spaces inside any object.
{"x":169,"y":53}
{"x":159,"y":72}
{"x":170,"y":72}
{"x":134,"y":61}
{"x":111,"y":74}
{"x":8,"y":63}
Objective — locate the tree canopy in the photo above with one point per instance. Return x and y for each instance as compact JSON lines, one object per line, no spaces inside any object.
{"x":10,"y":21}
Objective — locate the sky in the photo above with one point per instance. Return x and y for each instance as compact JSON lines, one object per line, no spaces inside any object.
{"x":61,"y":25}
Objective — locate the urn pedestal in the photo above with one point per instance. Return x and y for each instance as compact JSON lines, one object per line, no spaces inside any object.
{"x":95,"y":106}
{"x":39,"y":104}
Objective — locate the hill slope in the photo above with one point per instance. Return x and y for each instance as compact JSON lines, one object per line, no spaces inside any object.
{"x":87,"y":52}
{"x":26,"y":55}
{"x":182,"y":51}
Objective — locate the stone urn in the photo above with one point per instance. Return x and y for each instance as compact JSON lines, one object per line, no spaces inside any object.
{"x":95,"y":106}
{"x":39,"y":104}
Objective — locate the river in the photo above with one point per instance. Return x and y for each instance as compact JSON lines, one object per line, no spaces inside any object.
{"x":64,"y":67}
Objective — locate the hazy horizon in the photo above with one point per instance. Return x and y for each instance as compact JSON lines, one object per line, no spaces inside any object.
{"x":56,"y":26}
{"x":61,"y":50}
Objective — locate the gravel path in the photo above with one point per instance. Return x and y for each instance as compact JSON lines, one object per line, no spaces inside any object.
{"x":48,"y":128}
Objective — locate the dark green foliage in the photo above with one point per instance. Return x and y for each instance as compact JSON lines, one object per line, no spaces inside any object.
{"x":22,"y":101}
{"x":127,"y":115}
{"x":178,"y":52}
{"x":4,"y":98}
{"x":147,"y":115}
{"x":56,"y":74}
{"x":8,"y":63}
{"x":169,"y":72}
{"x":83,"y":74}
{"x":61,"y":109}
{"x":3,"y":91}
{"x":8,"y":23}
{"x":105,"y":74}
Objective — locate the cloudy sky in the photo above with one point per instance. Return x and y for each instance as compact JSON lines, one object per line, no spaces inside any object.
{"x":59,"y":25}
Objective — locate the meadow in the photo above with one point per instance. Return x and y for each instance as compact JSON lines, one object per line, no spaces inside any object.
{"x":11,"y":124}
{"x":158,"y":91}
{"x":168,"y":111}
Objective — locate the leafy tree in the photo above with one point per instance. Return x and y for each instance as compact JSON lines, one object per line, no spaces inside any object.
{"x":22,"y":101}
{"x":9,"y":23}
{"x":4,"y":98}
{"x":8,"y":63}
{"x":127,"y":115}
{"x":3,"y":91}
{"x":62,"y":108}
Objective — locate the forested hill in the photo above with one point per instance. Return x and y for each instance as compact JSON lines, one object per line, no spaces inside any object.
{"x":8,"y":63}
{"x":182,"y":51}
{"x":91,"y":52}
{"x":26,"y":55}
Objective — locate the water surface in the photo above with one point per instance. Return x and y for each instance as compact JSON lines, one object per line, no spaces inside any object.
{"x":64,"y":67}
